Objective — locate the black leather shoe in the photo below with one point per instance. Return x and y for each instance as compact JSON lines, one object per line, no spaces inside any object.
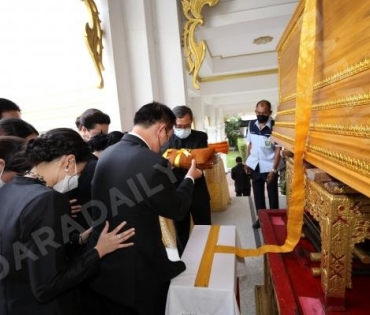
{"x":256,"y":225}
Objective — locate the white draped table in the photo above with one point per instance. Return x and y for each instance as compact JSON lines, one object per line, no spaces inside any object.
{"x":219,"y":297}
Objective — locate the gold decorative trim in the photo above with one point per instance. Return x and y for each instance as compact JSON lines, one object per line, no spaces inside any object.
{"x":291,"y":26}
{"x":283,"y":137}
{"x":288,"y":98}
{"x":361,"y":66}
{"x":360,"y":166}
{"x":241,"y":55}
{"x":194,"y":52}
{"x":348,"y":101}
{"x":362,"y":131}
{"x":286,"y":112}
{"x":238,"y":75}
{"x":94,"y":39}
{"x":290,"y":125}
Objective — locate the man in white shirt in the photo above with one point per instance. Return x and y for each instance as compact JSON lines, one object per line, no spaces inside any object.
{"x":263,"y":158}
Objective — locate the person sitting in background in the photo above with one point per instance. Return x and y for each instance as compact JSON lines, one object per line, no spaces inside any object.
{"x":12,"y":161}
{"x":92,"y":122}
{"x":18,"y":128}
{"x":9,"y":109}
{"x":34,"y":225}
{"x":241,"y":177}
{"x":100,"y":142}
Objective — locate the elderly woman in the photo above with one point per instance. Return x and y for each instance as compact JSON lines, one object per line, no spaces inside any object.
{"x":36,"y":276}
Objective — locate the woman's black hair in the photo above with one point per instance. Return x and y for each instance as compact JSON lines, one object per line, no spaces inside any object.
{"x":54,"y":144}
{"x":16,"y":127}
{"x":90,"y":118}
{"x":12,"y":152}
{"x":102,"y":141}
{"x":8,"y":105}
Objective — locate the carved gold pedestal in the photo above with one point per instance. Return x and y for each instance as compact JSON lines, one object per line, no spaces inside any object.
{"x":344,"y":221}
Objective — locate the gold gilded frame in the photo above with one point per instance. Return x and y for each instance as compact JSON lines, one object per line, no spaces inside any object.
{"x":194,"y":52}
{"x":94,"y":39}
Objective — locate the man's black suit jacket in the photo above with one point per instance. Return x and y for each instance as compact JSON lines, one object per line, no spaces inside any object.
{"x":134,"y":184}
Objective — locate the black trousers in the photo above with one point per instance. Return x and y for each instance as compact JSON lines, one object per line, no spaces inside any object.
{"x":258,"y":185}
{"x":200,"y":211}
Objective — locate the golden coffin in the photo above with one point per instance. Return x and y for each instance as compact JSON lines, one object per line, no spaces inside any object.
{"x":339,"y":130}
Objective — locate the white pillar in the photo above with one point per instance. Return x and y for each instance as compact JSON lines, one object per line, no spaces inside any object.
{"x":145,"y":54}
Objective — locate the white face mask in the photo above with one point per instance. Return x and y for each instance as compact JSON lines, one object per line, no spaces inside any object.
{"x":182,"y":133}
{"x":68,"y":183}
{"x":2,"y":183}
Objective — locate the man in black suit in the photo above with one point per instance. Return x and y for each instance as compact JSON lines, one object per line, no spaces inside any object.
{"x":187,"y":138}
{"x":134,"y":183}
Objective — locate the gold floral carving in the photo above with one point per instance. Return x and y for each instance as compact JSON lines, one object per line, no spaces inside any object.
{"x":348,"y":101}
{"x":363,"y":65}
{"x":286,"y":112}
{"x":290,"y":125}
{"x":357,"y":68}
{"x":344,"y":221}
{"x":288,"y":98}
{"x":194,"y":52}
{"x":289,"y":179}
{"x":361,"y":166}
{"x":94,"y":39}
{"x":362,"y":131}
{"x":283,"y":137}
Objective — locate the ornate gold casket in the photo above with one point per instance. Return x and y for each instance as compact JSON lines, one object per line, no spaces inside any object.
{"x":338,"y":141}
{"x":339,"y":136}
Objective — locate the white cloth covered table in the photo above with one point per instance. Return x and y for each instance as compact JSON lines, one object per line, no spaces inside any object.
{"x":219,"y":297}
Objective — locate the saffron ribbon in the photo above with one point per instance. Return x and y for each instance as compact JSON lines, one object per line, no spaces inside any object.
{"x":178,"y":156}
{"x":304,"y":91}
{"x":179,"y":152}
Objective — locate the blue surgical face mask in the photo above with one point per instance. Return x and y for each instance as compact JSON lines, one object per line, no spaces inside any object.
{"x":182,"y":133}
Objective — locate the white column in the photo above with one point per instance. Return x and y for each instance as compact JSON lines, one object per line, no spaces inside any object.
{"x":198,"y":112}
{"x":145,"y":57}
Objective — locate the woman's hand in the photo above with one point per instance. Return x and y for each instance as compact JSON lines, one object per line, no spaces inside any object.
{"x":110,"y":242}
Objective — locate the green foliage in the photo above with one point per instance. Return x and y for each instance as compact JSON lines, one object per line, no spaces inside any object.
{"x":232,"y":129}
{"x":242,"y":148}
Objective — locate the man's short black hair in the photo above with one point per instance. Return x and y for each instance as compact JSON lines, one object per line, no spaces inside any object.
{"x":152,"y":113}
{"x":265,"y":102}
{"x":7,"y":106}
{"x":238,"y":159}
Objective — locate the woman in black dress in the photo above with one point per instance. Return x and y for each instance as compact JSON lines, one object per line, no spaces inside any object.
{"x":35,"y":274}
